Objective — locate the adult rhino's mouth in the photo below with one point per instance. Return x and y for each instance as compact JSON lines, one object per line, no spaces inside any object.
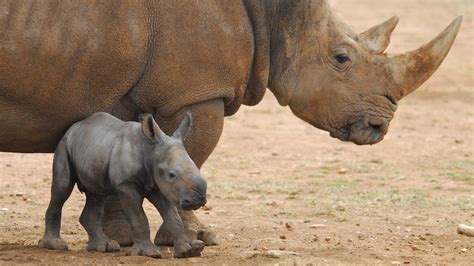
{"x":365,"y":131}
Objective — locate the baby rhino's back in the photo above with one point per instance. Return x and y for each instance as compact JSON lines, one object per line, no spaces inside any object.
{"x":90,"y":143}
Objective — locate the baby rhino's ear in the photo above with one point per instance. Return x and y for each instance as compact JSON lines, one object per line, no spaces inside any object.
{"x":150,"y":128}
{"x":184,"y":127}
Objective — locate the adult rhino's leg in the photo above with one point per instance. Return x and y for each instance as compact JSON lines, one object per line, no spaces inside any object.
{"x":208,"y":121}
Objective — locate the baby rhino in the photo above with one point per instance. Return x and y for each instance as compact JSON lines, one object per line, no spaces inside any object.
{"x":105,"y":156}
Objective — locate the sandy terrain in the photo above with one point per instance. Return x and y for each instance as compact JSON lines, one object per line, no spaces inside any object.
{"x":276,"y":183}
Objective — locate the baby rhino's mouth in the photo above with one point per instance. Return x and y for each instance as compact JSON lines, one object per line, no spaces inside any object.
{"x":192,"y":203}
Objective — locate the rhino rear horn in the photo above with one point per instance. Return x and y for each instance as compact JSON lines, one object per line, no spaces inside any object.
{"x":377,"y":38}
{"x":412,"y":69}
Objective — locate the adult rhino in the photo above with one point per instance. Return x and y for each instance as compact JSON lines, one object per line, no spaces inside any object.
{"x":63,"y":60}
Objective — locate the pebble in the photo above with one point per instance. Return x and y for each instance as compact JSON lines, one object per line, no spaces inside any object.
{"x":3,"y":209}
{"x":342,"y":171}
{"x":317,"y":226}
{"x":327,"y":238}
{"x":282,"y":237}
{"x":281,"y":253}
{"x":464,"y":250}
{"x":395,"y":262}
{"x":206,"y":208}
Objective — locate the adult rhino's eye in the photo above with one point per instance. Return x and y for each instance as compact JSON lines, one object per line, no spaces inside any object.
{"x":342,"y":58}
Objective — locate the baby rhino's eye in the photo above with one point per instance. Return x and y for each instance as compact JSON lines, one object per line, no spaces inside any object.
{"x":171,"y":176}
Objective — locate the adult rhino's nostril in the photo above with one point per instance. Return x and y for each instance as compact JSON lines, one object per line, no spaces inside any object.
{"x":379,"y":125}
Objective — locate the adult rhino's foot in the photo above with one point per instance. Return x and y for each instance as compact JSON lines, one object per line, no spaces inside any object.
{"x":194,"y":229}
{"x":52,"y":243}
{"x":114,"y":224}
{"x":105,"y":245}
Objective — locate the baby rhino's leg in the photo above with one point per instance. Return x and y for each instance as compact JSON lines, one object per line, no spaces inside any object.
{"x":91,"y":219}
{"x":183,"y":246}
{"x":132,"y":202}
{"x":61,"y":188}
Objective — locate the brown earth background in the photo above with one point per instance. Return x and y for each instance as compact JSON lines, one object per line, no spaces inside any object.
{"x":281,"y":191}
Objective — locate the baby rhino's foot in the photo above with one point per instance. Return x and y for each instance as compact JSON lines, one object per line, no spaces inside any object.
{"x":52,"y":243}
{"x":192,"y":249}
{"x":148,"y":251}
{"x":105,"y":245}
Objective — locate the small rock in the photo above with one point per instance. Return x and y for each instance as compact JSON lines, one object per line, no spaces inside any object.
{"x":342,"y":171}
{"x":415,"y":248}
{"x":3,"y":209}
{"x":273,"y":203}
{"x":20,"y":194}
{"x":395,"y":262}
{"x":315,"y":238}
{"x":317,"y":226}
{"x":421,"y":237}
{"x":340,"y":208}
{"x":464,"y":250}
{"x":206,"y":208}
{"x":274,"y":153}
{"x":8,"y":165}
{"x":280,"y":253}
{"x":458,"y":141}
{"x":288,"y":226}
{"x":307,"y":221}
{"x":327,"y":239}
{"x":282,"y":237}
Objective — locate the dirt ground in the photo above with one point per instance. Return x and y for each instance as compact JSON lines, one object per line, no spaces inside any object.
{"x":281,"y":191}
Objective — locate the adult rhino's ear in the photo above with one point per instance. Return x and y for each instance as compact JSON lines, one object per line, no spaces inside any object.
{"x":150,"y":128}
{"x":184,"y":127}
{"x":377,"y":38}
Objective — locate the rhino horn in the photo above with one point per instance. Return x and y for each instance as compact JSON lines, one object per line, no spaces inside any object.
{"x":377,"y":38}
{"x":412,"y":69}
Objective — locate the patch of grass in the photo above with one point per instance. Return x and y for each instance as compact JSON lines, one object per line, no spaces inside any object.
{"x":340,"y":183}
{"x":461,"y":176}
{"x":463,"y":203}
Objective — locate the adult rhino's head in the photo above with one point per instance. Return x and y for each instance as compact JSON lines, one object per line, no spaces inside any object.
{"x":340,"y":81}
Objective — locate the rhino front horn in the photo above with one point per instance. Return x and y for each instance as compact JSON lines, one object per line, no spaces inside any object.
{"x":412,"y":69}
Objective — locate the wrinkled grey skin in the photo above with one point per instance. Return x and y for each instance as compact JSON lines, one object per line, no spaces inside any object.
{"x":105,"y":156}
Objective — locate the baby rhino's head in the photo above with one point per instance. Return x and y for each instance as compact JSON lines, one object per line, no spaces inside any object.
{"x":176,"y":175}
